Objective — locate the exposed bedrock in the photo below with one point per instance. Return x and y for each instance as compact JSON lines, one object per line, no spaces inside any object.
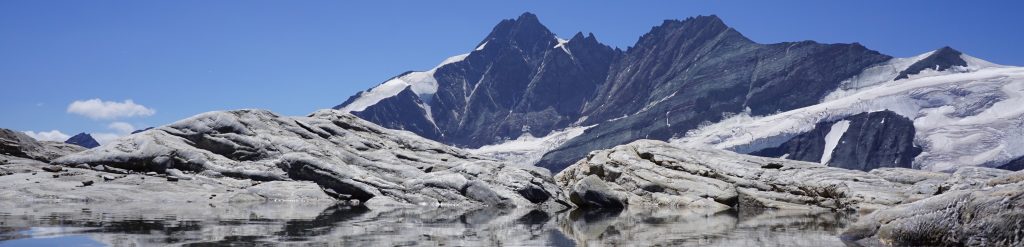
{"x":988,"y":214}
{"x":654,"y":173}
{"x":18,"y":144}
{"x":351,"y":159}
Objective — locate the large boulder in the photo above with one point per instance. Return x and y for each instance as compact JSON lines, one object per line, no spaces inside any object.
{"x":986,"y":214}
{"x":351,"y":159}
{"x":655,"y":173}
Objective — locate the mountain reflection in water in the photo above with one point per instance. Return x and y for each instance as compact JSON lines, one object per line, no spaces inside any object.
{"x":321,"y":223}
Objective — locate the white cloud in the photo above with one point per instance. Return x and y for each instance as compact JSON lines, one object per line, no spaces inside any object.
{"x":53,"y":135}
{"x":122,"y":127}
{"x":99,"y":109}
{"x":104,"y":138}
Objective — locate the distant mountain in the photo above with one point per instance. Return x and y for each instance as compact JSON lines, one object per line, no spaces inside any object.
{"x":523,"y":84}
{"x":83,"y":139}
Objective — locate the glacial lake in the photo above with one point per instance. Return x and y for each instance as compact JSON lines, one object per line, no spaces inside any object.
{"x":323,"y":224}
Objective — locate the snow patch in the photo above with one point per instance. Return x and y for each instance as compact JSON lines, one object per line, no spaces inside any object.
{"x":832,"y":139}
{"x":423,"y":84}
{"x":561,"y":44}
{"x":528,"y":149}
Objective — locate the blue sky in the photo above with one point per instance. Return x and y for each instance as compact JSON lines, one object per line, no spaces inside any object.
{"x":174,"y":59}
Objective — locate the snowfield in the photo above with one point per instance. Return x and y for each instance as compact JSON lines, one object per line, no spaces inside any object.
{"x":527,"y":149}
{"x":964,"y":116}
{"x":422,"y":82}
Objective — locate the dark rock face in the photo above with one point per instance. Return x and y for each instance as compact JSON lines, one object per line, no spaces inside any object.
{"x":941,"y":59}
{"x":872,"y":140}
{"x":83,"y":139}
{"x":141,"y":130}
{"x":1014,"y":165}
{"x":407,"y":105}
{"x":680,"y":74}
{"x":687,"y":72}
{"x":522,"y":80}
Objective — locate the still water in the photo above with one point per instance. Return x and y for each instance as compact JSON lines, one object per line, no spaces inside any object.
{"x":321,"y":224}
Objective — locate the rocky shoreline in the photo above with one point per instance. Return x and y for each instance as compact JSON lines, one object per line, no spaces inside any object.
{"x":329,"y":156}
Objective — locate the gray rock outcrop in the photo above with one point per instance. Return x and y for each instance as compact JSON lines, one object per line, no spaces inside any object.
{"x":29,"y":181}
{"x":18,"y":144}
{"x":655,"y":173}
{"x":351,"y":159}
{"x":988,"y":215}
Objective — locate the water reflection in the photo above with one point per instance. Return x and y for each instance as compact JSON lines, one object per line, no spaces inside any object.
{"x":327,"y":224}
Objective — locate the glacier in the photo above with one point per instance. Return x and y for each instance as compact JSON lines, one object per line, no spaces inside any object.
{"x":964,"y":116}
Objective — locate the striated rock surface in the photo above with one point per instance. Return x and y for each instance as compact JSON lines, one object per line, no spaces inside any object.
{"x":18,"y":144}
{"x":973,"y":206}
{"x":655,"y":173}
{"x":30,"y":181}
{"x":990,"y":214}
{"x":351,"y":159}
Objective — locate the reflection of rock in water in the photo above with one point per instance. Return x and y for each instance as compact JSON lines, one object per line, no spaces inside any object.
{"x":190,"y":224}
{"x":680,"y":227}
{"x":318,"y":223}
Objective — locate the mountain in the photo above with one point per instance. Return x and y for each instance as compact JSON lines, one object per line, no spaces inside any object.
{"x":84,"y":140}
{"x":520,"y":79}
{"x":696,"y":82}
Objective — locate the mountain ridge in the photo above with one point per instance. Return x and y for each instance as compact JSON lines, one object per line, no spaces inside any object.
{"x":522,"y":80}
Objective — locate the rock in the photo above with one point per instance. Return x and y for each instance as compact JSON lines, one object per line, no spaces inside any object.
{"x":178,"y":174}
{"x":83,"y":166}
{"x":56,"y":175}
{"x":172,"y":179}
{"x":592,"y":192}
{"x":87,"y":183}
{"x":108,"y":177}
{"x":151,"y":174}
{"x":53,"y":168}
{"x":971,"y":178}
{"x":989,"y":215}
{"x":650,"y":173}
{"x":114,"y":170}
{"x":348,"y":157}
